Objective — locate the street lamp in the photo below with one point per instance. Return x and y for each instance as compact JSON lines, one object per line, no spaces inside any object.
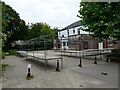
{"x":81,"y":44}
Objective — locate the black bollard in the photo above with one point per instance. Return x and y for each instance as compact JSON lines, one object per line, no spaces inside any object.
{"x":107,"y":59}
{"x":57,"y":69}
{"x":95,"y":62}
{"x":80,"y":65}
{"x":28,"y":74}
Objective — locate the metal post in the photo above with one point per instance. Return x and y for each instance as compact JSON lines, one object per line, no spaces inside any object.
{"x":57,"y":69}
{"x":76,"y":48}
{"x":29,"y":73}
{"x":46,"y":64}
{"x":100,"y":54}
{"x":33,"y":50}
{"x":61,"y":45}
{"x":17,"y":47}
{"x":79,"y":48}
{"x":26,"y":51}
{"x":83,"y":53}
{"x":82,"y":41}
{"x":95,"y":62}
{"x":107,"y":60}
{"x":28,"y":47}
{"x":62,"y":63}
{"x":45,"y":49}
{"x":21,"y":47}
{"x":45,"y":55}
{"x":37,"y":47}
{"x":80,"y":65}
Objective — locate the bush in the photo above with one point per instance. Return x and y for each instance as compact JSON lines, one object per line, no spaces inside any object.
{"x":12,"y":53}
{"x":3,"y":55}
{"x":2,"y":69}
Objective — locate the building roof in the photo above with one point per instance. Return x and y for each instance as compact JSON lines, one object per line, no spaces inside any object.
{"x":73,"y":25}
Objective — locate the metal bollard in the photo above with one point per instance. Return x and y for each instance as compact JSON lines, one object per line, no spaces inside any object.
{"x":107,"y":59}
{"x":80,"y":65}
{"x":57,"y":69}
{"x":28,"y":74}
{"x":95,"y":62}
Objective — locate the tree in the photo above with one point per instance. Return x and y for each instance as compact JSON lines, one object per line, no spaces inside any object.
{"x":56,"y":31}
{"x":101,"y":18}
{"x":13,"y":28}
{"x":40,"y":29}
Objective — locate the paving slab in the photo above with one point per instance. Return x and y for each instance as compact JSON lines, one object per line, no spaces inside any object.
{"x":72,"y":76}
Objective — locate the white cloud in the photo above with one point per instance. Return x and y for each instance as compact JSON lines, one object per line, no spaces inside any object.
{"x":57,"y":13}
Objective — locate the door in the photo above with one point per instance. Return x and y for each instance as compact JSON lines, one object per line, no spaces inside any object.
{"x":85,"y":44}
{"x":91,"y":44}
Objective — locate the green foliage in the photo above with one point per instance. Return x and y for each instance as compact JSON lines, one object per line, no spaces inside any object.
{"x":102,"y":18}
{"x":12,"y":26}
{"x":2,"y":69}
{"x":3,"y":55}
{"x":40,"y":29}
{"x":29,"y":77}
{"x":4,"y":65}
{"x":12,"y":53}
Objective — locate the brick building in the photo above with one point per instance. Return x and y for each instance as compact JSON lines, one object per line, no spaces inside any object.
{"x":72,"y":37}
{"x":81,"y":42}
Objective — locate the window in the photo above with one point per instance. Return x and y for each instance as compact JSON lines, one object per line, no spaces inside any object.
{"x":67,"y":43}
{"x":78,"y":31}
{"x":64,"y":44}
{"x":68,"y":32}
{"x":73,"y":30}
{"x":63,"y":36}
{"x":85,"y":45}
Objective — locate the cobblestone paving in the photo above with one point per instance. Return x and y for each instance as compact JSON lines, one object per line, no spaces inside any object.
{"x":72,"y":76}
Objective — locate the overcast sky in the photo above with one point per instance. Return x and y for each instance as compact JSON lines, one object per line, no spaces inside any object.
{"x":56,"y":13}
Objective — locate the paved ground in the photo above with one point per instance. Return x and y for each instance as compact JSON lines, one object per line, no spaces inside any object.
{"x":72,"y":76}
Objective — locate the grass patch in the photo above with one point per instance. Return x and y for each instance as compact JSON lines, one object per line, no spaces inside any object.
{"x":2,"y":69}
{"x":29,"y":77}
{"x":3,"y":55}
{"x":4,"y":65}
{"x":12,"y":53}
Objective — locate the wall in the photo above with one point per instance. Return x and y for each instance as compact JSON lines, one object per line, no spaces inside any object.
{"x":92,"y":43}
{"x":114,"y":46}
{"x":65,"y":32}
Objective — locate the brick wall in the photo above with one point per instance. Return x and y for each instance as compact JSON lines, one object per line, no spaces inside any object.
{"x":80,"y":46}
{"x":114,"y":46}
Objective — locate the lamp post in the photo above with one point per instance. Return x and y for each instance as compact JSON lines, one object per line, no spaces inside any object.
{"x":80,"y":65}
{"x":57,"y":69}
{"x":81,"y":45}
{"x":95,"y":62}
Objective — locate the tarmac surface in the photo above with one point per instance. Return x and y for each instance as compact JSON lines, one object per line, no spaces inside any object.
{"x":71,"y":76}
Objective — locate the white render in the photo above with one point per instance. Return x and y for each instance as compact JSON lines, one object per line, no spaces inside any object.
{"x":65,"y":32}
{"x":64,"y":35}
{"x":100,"y":45}
{"x":71,"y":33}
